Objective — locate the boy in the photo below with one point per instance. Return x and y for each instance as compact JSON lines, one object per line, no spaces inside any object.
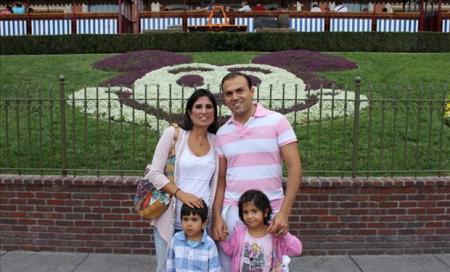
{"x":192,"y":249}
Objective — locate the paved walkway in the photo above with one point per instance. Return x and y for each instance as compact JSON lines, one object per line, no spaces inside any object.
{"x":23,"y":261}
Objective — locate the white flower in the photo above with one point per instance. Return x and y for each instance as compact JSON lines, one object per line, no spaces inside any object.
{"x":278,"y":88}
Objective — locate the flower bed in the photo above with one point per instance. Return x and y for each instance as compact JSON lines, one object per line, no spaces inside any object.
{"x":278,"y":77}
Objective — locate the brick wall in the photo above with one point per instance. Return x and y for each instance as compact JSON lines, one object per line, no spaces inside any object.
{"x":331,"y":215}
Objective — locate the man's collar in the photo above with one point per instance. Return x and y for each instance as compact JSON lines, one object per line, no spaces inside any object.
{"x":259,"y":112}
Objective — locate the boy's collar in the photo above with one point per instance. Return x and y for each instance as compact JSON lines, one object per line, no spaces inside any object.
{"x":184,"y":237}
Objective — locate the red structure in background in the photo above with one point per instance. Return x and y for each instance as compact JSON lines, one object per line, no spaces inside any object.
{"x":124,"y":16}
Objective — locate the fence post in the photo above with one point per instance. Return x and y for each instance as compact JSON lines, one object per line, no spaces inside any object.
{"x":356,"y":126}
{"x":62,"y":105}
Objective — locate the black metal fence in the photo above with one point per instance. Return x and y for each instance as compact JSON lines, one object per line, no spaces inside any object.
{"x":358,"y":131}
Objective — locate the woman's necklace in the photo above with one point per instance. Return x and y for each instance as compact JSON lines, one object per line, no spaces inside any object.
{"x":202,"y":142}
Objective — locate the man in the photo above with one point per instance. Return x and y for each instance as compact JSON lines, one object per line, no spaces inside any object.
{"x":252,"y":146}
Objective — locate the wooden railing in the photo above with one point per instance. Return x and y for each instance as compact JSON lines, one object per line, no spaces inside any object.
{"x":299,"y":21}
{"x":113,"y":23}
{"x":58,"y":24}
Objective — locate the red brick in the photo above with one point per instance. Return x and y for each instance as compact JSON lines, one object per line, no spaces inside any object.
{"x":55,"y":202}
{"x":112,"y":217}
{"x":407,"y":204}
{"x":95,"y":203}
{"x":81,"y":209}
{"x":435,"y":210}
{"x":137,"y":217}
{"x":44,"y":195}
{"x":124,"y":224}
{"x":83,"y":223}
{"x":56,"y":215}
{"x":94,"y":230}
{"x":44,"y":209}
{"x":388,"y":205}
{"x":110,"y":203}
{"x":17,"y":201}
{"x":120,"y":197}
{"x":416,"y":211}
{"x":396,"y":211}
{"x":25,"y":195}
{"x":101,"y":196}
{"x":386,"y":232}
{"x":25,"y":221}
{"x":406,"y":190}
{"x":25,"y":208}
{"x":112,"y":230}
{"x":378,"y":198}
{"x":46,"y":222}
{"x":62,"y":195}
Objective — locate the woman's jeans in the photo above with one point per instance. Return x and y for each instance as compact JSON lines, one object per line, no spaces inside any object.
{"x":161,"y":248}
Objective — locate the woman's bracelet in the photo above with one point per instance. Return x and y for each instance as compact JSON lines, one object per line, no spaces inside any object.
{"x":176,"y":191}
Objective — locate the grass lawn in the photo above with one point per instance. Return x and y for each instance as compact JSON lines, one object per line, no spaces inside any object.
{"x":401,"y":136}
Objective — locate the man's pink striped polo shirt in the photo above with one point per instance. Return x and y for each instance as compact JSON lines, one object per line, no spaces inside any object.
{"x":253,"y":154}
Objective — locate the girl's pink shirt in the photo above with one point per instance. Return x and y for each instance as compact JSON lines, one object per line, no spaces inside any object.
{"x":286,"y":244}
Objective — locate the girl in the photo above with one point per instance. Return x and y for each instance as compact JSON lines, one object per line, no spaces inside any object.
{"x":251,"y":247}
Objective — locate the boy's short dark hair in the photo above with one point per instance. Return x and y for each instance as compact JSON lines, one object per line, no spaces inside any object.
{"x":202,"y":212}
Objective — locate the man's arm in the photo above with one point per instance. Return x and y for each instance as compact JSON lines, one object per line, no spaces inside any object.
{"x":219,"y":228}
{"x":291,"y":157}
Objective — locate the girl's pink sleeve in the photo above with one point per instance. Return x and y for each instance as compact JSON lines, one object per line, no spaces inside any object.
{"x":228,"y":246}
{"x":291,"y":245}
{"x":156,"y":173}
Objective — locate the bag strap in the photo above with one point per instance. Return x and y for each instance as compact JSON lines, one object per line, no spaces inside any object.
{"x":174,"y":140}
{"x":175,"y":135}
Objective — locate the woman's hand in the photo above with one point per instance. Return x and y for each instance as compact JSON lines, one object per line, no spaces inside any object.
{"x":189,"y":199}
{"x":219,"y":230}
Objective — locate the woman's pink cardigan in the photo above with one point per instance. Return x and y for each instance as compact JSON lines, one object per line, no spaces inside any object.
{"x":165,"y":223}
{"x":286,"y":244}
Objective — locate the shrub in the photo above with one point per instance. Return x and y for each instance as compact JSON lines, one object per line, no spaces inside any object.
{"x":227,"y":41}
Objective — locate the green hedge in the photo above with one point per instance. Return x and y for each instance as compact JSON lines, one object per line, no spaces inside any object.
{"x":227,"y":41}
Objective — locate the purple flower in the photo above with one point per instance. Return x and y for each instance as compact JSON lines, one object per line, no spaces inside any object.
{"x":189,"y":69}
{"x":305,"y":64}
{"x":137,"y":63}
{"x":249,"y":69}
{"x":190,"y":81}
{"x":255,"y":80}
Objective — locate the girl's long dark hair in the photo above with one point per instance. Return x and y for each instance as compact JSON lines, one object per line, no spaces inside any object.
{"x":260,"y":200}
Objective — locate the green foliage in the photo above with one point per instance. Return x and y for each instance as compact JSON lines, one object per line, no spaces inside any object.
{"x":227,"y":41}
{"x":394,"y":136}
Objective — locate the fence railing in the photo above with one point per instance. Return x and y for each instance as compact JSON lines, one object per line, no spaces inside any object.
{"x":358,"y":131}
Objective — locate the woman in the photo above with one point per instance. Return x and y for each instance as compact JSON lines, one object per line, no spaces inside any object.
{"x":195,"y":167}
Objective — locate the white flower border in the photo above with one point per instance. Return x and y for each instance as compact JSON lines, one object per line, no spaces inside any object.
{"x":158,"y":82}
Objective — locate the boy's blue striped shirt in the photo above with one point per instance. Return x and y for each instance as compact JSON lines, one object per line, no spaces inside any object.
{"x":182,"y":257}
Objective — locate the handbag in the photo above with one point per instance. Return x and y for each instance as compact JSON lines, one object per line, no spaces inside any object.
{"x":150,"y":202}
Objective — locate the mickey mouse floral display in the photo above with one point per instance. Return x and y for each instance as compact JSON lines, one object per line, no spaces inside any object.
{"x":148,"y":75}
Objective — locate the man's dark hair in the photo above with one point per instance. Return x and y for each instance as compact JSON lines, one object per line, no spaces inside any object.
{"x":187,"y":122}
{"x":202,"y":212}
{"x":234,"y":75}
{"x":259,"y":199}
